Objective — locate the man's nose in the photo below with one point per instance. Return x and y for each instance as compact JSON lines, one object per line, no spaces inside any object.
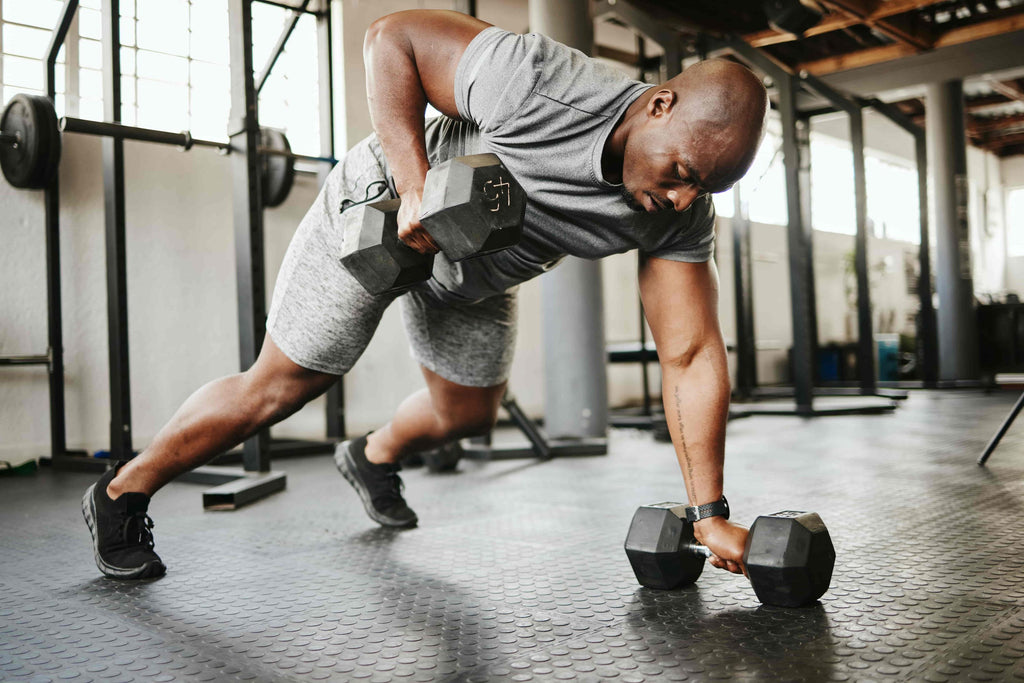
{"x":681,"y":199}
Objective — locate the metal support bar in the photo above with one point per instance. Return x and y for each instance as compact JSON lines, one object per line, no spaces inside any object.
{"x":282,"y":40}
{"x":70,"y":124}
{"x":865,"y":333}
{"x":248,"y":211}
{"x":114,"y":215}
{"x":746,"y":345}
{"x":184,"y":140}
{"x":54,"y":306}
{"x":644,"y":378}
{"x":1001,"y":431}
{"x":24,"y":360}
{"x":67,"y":14}
{"x":526,"y":425}
{"x":927,"y":325}
{"x":335,"y":410}
{"x":292,"y":8}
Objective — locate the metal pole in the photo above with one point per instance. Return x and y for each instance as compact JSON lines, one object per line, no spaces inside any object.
{"x":947,"y":152}
{"x":927,"y":333}
{"x":117,"y":130}
{"x":801,"y":280}
{"x":114,"y":214}
{"x":1002,"y":430}
{"x":865,"y":333}
{"x":282,"y":40}
{"x":335,"y":417}
{"x":51,"y":200}
{"x":746,"y":344}
{"x":248,"y":211}
{"x":928,"y":329}
{"x":576,"y":385}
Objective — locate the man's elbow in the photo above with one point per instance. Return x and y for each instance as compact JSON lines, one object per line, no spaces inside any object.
{"x":691,"y":352}
{"x":382,"y":29}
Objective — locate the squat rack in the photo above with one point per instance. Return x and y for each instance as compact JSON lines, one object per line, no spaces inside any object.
{"x":254,"y":481}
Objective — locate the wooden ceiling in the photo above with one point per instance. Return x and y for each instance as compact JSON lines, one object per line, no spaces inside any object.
{"x":859,"y":33}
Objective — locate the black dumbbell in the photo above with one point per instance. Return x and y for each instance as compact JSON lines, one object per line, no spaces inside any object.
{"x":471,"y":206}
{"x":789,"y":555}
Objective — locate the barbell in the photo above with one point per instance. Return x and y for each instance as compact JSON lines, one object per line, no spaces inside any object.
{"x":30,"y":146}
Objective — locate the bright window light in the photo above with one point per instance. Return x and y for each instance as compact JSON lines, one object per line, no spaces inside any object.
{"x":1015,"y":222}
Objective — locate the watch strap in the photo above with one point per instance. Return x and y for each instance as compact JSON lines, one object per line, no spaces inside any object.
{"x":717,"y":508}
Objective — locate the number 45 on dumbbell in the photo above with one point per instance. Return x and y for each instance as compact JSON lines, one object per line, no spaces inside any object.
{"x":789,"y":555}
{"x":471,"y":206}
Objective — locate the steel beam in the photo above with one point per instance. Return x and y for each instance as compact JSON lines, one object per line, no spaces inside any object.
{"x":248,"y":210}
{"x":927,"y":327}
{"x":114,"y":216}
{"x":743,"y":275}
{"x":866,"y":373}
{"x":282,"y":40}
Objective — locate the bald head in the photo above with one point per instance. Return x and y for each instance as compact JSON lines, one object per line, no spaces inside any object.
{"x":722,"y":100}
{"x":721,"y":93}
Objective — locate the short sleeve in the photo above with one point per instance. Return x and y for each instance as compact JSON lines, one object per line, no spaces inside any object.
{"x":695,"y":243}
{"x":496,"y":75}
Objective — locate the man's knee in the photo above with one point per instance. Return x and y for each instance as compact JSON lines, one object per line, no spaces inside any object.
{"x":469,"y":418}
{"x":277,"y":387}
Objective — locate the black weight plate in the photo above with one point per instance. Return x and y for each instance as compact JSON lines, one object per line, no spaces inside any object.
{"x":277,"y":171}
{"x":19,"y":161}
{"x":49,"y":142}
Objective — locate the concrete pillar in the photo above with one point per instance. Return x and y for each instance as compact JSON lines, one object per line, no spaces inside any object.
{"x":947,"y":158}
{"x":576,"y":387}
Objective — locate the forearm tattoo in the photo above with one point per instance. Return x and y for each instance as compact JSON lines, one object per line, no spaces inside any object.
{"x":682,"y":436}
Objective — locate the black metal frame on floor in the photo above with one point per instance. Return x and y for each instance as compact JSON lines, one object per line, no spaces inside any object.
{"x":254,"y":480}
{"x":867,"y":397}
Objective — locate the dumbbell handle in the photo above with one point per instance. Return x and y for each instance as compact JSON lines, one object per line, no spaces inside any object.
{"x":697,"y":549}
{"x":13,"y":138}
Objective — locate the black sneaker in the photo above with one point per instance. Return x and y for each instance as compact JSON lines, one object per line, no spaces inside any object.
{"x":378,"y":486}
{"x":121,"y":538}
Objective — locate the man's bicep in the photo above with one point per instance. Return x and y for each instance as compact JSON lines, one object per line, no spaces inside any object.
{"x":681,"y":304}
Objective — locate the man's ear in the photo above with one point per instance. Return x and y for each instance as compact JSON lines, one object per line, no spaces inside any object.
{"x":661,"y":102}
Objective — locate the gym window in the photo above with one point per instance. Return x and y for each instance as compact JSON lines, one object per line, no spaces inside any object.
{"x":763,"y":187}
{"x":25,"y":27}
{"x":174,"y":63}
{"x":893,"y":208}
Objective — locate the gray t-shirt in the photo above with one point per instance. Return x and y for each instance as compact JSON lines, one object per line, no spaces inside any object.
{"x":546,"y":110}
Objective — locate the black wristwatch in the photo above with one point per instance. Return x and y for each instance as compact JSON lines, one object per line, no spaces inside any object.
{"x":718,"y":508}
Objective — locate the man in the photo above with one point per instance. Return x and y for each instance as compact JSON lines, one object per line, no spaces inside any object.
{"x":609,"y":164}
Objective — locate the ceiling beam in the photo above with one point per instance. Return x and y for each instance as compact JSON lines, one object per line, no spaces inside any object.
{"x":838,"y":21}
{"x":994,"y":124}
{"x":877,"y":55}
{"x":862,"y":11}
{"x":1001,"y":141}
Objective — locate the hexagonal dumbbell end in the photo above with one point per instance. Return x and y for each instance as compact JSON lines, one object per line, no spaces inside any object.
{"x":472,"y":206}
{"x":375,"y":256}
{"x":789,"y":558}
{"x":659,"y":547}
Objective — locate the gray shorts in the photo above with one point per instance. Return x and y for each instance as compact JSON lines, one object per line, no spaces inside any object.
{"x":322,"y":319}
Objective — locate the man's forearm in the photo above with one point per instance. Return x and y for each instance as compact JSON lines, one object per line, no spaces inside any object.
{"x":696,"y":399}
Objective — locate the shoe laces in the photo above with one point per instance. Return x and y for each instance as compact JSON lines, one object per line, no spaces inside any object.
{"x":137,"y":529}
{"x":394,"y":486}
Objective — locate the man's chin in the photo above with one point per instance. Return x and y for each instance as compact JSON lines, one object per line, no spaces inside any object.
{"x":631,"y":201}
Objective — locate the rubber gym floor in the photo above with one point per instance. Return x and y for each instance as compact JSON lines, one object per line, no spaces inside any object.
{"x":517,"y":570}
